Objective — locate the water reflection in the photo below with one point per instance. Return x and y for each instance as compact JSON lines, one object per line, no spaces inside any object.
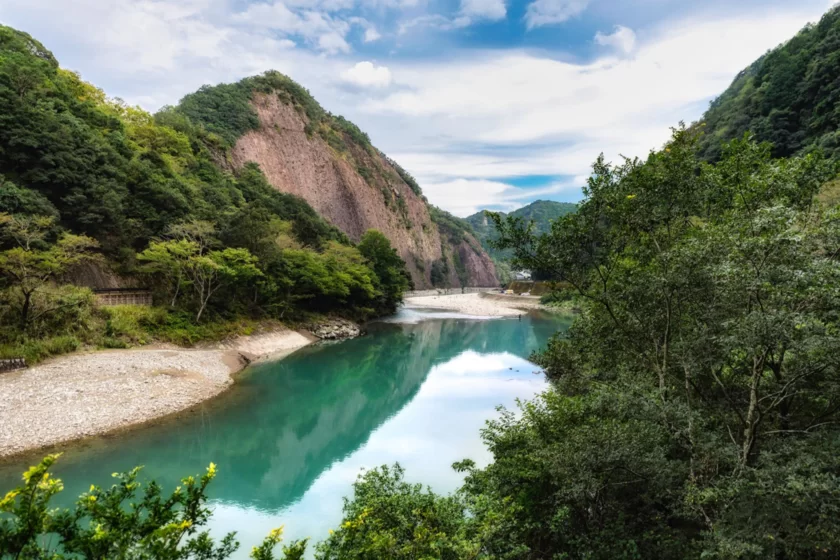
{"x":292,"y":436}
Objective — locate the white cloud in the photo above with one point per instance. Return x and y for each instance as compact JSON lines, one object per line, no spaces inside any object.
{"x":622,"y":39}
{"x":436,"y":21}
{"x":461,"y":125}
{"x":367,"y":74}
{"x":332,"y":43}
{"x":550,"y":12}
{"x":464,"y":197}
{"x":371,"y":35}
{"x":319,"y":28}
{"x":484,"y":9}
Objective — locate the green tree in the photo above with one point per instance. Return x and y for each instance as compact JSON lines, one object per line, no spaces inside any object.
{"x":390,"y":518}
{"x":168,"y":262}
{"x":31,"y":265}
{"x":392,"y":278}
{"x":208,"y":273}
{"x":706,"y":304}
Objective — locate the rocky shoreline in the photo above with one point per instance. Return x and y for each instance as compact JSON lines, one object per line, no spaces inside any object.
{"x":87,"y":394}
{"x":335,"y":329}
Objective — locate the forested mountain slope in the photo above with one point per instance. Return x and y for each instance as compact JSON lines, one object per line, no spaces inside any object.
{"x":87,"y":182}
{"x":789,"y":97}
{"x":541,"y":212}
{"x":326,"y":160}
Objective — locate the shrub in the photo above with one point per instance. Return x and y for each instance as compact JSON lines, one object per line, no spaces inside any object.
{"x":38,"y":350}
{"x":132,"y":324}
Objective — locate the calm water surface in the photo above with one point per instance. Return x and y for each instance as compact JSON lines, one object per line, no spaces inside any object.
{"x":292,"y":436}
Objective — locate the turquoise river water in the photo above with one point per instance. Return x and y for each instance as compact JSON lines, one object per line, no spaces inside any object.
{"x":291,"y":436}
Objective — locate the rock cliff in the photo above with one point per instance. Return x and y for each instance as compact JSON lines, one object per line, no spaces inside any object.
{"x":356,"y":188}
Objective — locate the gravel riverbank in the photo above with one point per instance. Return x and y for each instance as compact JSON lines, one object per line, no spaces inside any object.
{"x":480,"y":304}
{"x":87,"y":394}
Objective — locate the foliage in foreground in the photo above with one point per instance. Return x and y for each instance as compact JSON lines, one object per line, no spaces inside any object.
{"x":126,"y":521}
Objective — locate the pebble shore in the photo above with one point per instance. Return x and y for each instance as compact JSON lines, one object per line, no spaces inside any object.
{"x":82,"y":395}
{"x":479,"y":304}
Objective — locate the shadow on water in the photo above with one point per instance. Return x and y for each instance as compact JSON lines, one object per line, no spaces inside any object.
{"x":285,"y":423}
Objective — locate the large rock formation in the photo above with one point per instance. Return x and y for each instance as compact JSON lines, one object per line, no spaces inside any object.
{"x":356,"y":188}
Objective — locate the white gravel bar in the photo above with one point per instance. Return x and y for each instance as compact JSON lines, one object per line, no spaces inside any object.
{"x":479,"y":304}
{"x":87,"y":394}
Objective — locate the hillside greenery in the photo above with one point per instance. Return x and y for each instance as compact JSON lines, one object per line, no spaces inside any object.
{"x":789,"y":97}
{"x":225,"y":110}
{"x":89,"y":180}
{"x":693,"y":408}
{"x":540,"y":212}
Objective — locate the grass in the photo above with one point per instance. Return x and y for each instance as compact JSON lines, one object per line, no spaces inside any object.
{"x":35,"y":351}
{"x":127,"y":326}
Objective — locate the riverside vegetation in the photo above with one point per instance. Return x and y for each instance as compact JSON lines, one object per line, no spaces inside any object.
{"x":694,"y":405}
{"x":85,"y":179}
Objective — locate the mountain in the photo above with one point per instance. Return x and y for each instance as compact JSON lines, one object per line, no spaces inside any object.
{"x":326,"y":160}
{"x":789,"y":97}
{"x":234,"y":155}
{"x":541,"y":212}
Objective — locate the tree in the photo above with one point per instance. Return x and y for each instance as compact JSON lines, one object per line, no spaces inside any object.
{"x":182,"y":263}
{"x":208,"y":273}
{"x":33,"y":264}
{"x":169,"y":261}
{"x":392,"y":278}
{"x":707,"y":305}
{"x":390,"y":518}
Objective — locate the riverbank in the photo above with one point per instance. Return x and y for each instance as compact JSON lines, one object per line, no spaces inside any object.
{"x":81,"y":395}
{"x":479,"y":304}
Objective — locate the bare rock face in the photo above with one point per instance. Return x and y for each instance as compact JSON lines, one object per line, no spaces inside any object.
{"x":354,"y":188}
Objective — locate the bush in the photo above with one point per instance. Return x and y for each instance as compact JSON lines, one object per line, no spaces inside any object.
{"x":131,"y":324}
{"x":179,"y":328}
{"x":35,"y":351}
{"x":126,"y":520}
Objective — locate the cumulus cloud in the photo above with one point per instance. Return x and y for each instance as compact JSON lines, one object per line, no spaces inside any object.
{"x":622,"y":39}
{"x":367,"y":74}
{"x":462,"y":126}
{"x":484,"y":9}
{"x":551,"y":12}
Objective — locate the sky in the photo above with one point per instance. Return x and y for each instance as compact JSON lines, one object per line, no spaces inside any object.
{"x":488,"y":103}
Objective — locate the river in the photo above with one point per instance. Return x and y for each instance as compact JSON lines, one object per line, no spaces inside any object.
{"x":291,"y":436}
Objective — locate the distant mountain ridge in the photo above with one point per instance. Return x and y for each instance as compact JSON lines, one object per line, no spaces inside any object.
{"x":541,"y":212}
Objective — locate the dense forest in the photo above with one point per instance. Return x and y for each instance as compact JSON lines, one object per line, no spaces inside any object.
{"x":89,"y":181}
{"x":790,"y":97}
{"x":694,"y":405}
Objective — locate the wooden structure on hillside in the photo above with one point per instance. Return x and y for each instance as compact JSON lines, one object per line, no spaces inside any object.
{"x":122,"y":296}
{"x":109,"y":287}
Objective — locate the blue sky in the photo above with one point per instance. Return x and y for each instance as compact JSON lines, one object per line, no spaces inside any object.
{"x":489,"y":103}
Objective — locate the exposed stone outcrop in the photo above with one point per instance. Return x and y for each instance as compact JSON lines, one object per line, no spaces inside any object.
{"x":355,"y":188}
{"x":335,"y":329}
